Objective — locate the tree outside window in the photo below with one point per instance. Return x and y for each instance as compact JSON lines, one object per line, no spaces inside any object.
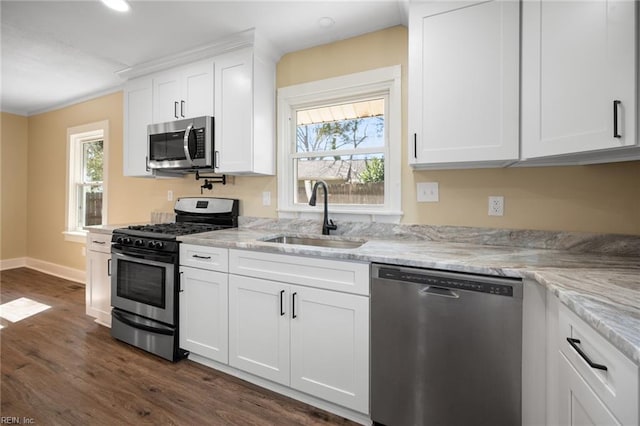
{"x":342,"y":144}
{"x":89,"y":187}
{"x":86,"y":178}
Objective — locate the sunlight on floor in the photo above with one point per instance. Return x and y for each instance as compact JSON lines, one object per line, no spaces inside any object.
{"x":21,"y":308}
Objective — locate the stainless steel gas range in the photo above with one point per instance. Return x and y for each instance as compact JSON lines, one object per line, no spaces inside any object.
{"x":145,"y":281}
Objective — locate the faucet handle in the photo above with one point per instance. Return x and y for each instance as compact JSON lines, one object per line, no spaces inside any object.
{"x":332,"y":225}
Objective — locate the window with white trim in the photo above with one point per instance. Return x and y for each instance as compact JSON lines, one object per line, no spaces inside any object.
{"x":86,"y":189}
{"x":345,"y":131}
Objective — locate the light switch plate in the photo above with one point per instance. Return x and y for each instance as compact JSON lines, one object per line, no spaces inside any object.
{"x":428,"y":192}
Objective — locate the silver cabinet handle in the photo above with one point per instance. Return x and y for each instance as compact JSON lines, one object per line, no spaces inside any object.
{"x":175,"y":109}
{"x":182,"y":108}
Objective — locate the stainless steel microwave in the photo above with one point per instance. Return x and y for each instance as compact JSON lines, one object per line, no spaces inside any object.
{"x":181,"y":145}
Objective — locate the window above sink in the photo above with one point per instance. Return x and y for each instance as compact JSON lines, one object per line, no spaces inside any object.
{"x":346,"y":131}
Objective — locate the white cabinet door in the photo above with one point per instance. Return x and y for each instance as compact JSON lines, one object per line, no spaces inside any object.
{"x":203,"y":313}
{"x":578,"y":59}
{"x":166,"y":96}
{"x":463,"y":84}
{"x":245,"y":113}
{"x":138,"y":96}
{"x":330,"y":346}
{"x":183,"y":92}
{"x":197,"y":90}
{"x":98,"y":288}
{"x":579,"y":405}
{"x":259,"y":327}
{"x":234,"y":121}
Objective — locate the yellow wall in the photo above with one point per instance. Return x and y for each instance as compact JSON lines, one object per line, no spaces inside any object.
{"x":13,"y":186}
{"x":599,"y":198}
{"x":596,"y":198}
{"x":128,"y":199}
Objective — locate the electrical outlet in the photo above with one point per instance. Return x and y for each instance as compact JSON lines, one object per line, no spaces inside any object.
{"x":496,"y":205}
{"x":427,"y":192}
{"x":169,"y":195}
{"x":266,"y":198}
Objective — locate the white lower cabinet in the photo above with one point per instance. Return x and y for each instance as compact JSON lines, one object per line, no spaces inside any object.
{"x":597,"y":384}
{"x":313,"y":340}
{"x":580,"y":406}
{"x":203,"y":313}
{"x":259,"y":327}
{"x":98,"y":279}
{"x":330,"y":346}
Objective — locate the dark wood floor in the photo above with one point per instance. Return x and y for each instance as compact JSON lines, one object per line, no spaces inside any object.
{"x":60,"y":367}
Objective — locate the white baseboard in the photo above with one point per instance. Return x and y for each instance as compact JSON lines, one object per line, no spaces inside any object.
{"x":18,"y":262}
{"x":54,"y":269}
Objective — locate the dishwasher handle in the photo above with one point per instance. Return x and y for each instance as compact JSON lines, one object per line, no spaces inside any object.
{"x":433,"y":290}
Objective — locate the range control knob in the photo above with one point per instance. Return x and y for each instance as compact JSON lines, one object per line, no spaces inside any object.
{"x":138,"y":243}
{"x":159,"y":245}
{"x":151,"y":244}
{"x":126,"y":240}
{"x":119,"y":240}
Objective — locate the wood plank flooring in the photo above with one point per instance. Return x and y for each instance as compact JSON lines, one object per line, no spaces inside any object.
{"x":61,"y":368}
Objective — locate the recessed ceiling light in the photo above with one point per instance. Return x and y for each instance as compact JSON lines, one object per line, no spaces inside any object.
{"x":326,"y":22}
{"x":119,"y":5}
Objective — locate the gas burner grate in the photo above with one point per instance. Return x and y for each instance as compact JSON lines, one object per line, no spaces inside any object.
{"x":178,"y":228}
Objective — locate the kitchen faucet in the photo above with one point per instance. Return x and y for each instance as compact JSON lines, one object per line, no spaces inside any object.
{"x":327,"y":224}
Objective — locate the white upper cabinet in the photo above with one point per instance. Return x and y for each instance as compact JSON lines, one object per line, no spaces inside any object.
{"x":579,"y":78}
{"x":138,"y":100}
{"x":245,"y":113}
{"x":235,"y":85}
{"x":463,"y":84}
{"x":184,"y":92}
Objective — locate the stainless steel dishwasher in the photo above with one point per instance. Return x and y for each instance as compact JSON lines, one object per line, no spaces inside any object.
{"x":446,"y":348}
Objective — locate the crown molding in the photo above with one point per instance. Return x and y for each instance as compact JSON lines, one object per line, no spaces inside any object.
{"x":233,"y":42}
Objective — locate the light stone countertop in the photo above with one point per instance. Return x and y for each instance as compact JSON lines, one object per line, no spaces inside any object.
{"x":602,"y":289}
{"x":104,"y":229}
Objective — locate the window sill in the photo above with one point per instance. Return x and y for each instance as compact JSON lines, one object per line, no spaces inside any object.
{"x":75,"y":236}
{"x":345,"y":215}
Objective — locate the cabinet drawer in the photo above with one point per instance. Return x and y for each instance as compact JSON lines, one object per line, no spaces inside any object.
{"x":617,"y":386}
{"x":203,"y":257}
{"x":350,"y":277}
{"x":99,"y":242}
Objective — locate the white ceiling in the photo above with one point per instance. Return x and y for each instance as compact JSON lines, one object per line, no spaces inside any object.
{"x":58,"y":52}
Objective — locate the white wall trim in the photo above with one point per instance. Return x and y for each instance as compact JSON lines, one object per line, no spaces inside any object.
{"x":18,"y":262}
{"x":71,"y":274}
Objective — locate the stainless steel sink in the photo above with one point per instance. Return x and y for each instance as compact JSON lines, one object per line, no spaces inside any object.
{"x":316,"y":242}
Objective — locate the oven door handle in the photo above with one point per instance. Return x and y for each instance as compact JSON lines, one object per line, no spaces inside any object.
{"x":157,"y":259}
{"x":124,"y":318}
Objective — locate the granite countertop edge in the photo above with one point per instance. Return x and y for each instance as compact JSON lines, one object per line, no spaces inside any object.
{"x":602,"y":290}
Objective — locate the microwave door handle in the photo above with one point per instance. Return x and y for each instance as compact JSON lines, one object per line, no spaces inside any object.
{"x":186,"y":143}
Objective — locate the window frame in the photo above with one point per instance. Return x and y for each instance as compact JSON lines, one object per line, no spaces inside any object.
{"x":380,"y":82}
{"x":76,"y":137}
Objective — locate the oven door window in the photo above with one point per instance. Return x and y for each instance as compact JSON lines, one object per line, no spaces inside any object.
{"x":142,"y":283}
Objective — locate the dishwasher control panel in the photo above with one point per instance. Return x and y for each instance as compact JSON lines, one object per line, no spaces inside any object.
{"x":471,"y":284}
